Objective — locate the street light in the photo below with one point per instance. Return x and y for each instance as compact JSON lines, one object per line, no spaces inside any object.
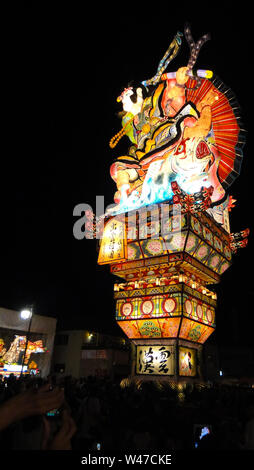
{"x":25,"y":315}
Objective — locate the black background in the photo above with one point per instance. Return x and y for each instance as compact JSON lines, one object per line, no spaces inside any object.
{"x":62,"y":69}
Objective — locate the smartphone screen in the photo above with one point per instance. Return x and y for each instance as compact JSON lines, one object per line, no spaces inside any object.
{"x":98,"y":446}
{"x":204,"y":431}
{"x":200,"y":431}
{"x":53,"y":413}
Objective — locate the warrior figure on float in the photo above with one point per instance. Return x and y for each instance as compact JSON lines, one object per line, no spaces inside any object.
{"x":183,"y":128}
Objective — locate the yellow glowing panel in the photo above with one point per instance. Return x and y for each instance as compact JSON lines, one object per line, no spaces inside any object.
{"x":169,"y":327}
{"x":149,"y":328}
{"x":130,"y":328}
{"x":113,"y":244}
{"x":187,"y":362}
{"x":194,"y":331}
{"x":174,"y":242}
{"x":155,"y":360}
{"x":148,"y":307}
{"x":127,"y":309}
{"x":198,"y":311}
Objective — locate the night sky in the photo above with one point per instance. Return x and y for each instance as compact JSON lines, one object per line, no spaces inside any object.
{"x":63,"y":70}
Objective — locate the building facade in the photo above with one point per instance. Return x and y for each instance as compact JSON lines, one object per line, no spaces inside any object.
{"x":81,"y":353}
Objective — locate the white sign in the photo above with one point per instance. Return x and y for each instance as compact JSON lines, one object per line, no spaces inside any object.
{"x":14,"y":368}
{"x":155,"y":360}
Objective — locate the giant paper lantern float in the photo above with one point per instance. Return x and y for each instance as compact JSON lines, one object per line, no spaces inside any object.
{"x":168,"y":236}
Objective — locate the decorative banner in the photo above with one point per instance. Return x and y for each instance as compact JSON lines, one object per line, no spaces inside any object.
{"x":155,"y":306}
{"x":187,"y":362}
{"x":199,"y":310}
{"x":156,"y":328}
{"x":155,"y":360}
{"x":113,"y":244}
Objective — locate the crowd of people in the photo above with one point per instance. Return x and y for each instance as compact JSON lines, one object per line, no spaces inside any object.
{"x":100,"y":414}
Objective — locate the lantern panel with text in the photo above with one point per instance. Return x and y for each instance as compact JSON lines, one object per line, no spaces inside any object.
{"x":155,"y":360}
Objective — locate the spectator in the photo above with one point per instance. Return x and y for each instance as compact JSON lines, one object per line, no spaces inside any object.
{"x":23,"y":416}
{"x":144,"y":416}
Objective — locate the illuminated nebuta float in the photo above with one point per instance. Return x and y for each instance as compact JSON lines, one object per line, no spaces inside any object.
{"x":11,"y":358}
{"x":186,"y":150}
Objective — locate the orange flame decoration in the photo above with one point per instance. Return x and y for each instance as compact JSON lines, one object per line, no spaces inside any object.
{"x":231,"y":203}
